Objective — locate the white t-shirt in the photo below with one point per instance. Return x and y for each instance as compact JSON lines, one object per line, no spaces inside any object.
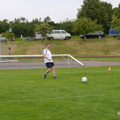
{"x":48,"y":54}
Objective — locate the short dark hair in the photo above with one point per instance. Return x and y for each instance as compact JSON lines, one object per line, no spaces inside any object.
{"x":47,"y":44}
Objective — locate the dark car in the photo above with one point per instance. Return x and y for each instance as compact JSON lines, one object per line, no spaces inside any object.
{"x":96,"y":34}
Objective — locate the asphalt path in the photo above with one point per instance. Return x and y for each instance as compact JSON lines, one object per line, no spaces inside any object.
{"x":58,"y":64}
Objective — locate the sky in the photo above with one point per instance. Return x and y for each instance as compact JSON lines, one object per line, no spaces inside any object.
{"x":57,"y":10}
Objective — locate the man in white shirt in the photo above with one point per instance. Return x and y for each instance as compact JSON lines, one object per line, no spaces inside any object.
{"x":48,"y":61}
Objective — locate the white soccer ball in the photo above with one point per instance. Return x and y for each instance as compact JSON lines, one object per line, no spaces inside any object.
{"x":84,"y":79}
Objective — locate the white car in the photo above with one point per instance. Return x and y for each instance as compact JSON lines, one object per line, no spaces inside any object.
{"x":59,"y":34}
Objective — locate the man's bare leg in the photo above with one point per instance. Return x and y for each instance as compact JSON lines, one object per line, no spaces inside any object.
{"x":53,"y":69}
{"x":49,"y":69}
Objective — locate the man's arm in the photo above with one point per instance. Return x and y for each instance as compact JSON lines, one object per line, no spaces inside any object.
{"x":46,"y":57}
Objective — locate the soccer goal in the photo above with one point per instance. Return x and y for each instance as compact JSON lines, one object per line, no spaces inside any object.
{"x":5,"y":49}
{"x":37,"y":61}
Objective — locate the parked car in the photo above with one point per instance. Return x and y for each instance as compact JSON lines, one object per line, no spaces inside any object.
{"x":96,"y":34}
{"x":58,"y":34}
{"x":114,"y":33}
{"x":38,"y":36}
{"x":3,"y":39}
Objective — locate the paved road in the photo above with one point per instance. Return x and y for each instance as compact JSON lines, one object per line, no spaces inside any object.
{"x":37,"y":64}
{"x":93,"y":63}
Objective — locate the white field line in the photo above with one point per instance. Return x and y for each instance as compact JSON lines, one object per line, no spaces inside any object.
{"x":47,"y":99}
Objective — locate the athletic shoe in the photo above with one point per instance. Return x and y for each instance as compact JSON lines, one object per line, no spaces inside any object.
{"x":54,"y":77}
{"x":44,"y":77}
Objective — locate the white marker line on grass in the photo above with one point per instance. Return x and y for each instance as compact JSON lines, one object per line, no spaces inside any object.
{"x":46,"y":99}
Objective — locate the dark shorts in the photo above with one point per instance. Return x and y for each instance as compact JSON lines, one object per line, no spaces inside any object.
{"x":50,"y":64}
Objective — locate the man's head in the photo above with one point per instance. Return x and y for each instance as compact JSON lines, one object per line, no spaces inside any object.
{"x":48,"y":45}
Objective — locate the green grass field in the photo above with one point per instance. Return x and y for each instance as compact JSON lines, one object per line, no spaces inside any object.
{"x":25,"y":95}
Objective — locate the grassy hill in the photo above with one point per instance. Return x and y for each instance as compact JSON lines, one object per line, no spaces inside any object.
{"x":75,"y":46}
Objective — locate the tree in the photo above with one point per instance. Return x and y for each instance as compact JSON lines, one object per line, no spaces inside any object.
{"x":116,"y":11}
{"x":8,"y":34}
{"x":11,"y":23}
{"x":23,"y":29}
{"x":47,"y":19}
{"x":115,"y":24}
{"x":109,"y":12}
{"x":36,"y":21}
{"x":43,"y":29}
{"x":3,"y":26}
{"x":5,"y":20}
{"x":20,"y":20}
{"x":86,"y":25}
{"x":23,"y":20}
{"x":66,"y":25}
{"x":52,"y":23}
{"x":96,"y":10}
{"x":16,"y":20}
